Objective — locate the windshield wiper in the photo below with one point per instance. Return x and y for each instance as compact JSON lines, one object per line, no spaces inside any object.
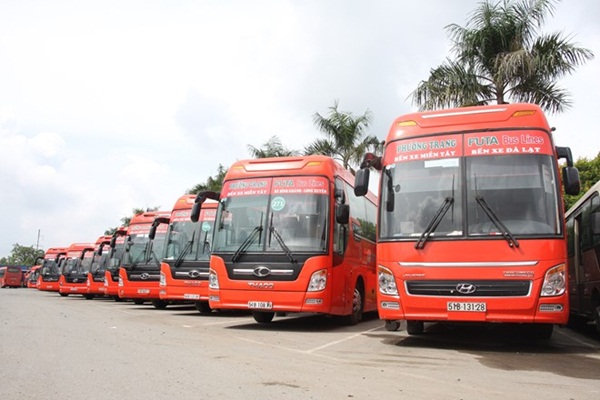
{"x":185,"y":250}
{"x":247,"y":242}
{"x":496,"y":221}
{"x":435,"y":221}
{"x":279,"y":239}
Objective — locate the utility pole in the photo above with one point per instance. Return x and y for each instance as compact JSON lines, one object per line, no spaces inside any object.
{"x":37,"y":245}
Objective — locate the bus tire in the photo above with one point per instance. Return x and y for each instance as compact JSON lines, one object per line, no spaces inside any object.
{"x":263,"y":317}
{"x":159,"y":304}
{"x":64,"y":294}
{"x":392,"y":325}
{"x":415,"y":327}
{"x":357,"y":305}
{"x":88,"y":296}
{"x":542,"y":331}
{"x":117,"y":299}
{"x":203,"y":307}
{"x":138,"y":301}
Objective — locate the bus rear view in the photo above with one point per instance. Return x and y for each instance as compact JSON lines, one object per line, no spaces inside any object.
{"x":471,"y":219}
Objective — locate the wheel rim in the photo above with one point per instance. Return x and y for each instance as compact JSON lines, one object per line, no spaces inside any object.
{"x":356,"y":302}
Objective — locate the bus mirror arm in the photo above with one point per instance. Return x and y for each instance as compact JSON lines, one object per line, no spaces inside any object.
{"x":565,"y":152}
{"x":200,"y":199}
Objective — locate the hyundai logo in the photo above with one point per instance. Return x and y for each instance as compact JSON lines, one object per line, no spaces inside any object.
{"x":194,"y":273}
{"x":144,"y":276}
{"x":466,"y":288}
{"x":261,"y":271}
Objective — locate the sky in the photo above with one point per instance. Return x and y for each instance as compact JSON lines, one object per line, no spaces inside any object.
{"x":107,"y":106}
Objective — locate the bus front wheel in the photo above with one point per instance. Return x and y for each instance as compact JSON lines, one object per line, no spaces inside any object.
{"x":159,"y":304}
{"x":392,"y":325}
{"x":263,"y":317}
{"x":203,"y":307}
{"x":415,"y":327}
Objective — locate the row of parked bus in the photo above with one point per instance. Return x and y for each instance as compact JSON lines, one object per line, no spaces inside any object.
{"x":469,"y":226}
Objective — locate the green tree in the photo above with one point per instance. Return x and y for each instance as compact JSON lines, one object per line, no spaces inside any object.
{"x":23,"y":255}
{"x":127,"y":219}
{"x":589,"y":174}
{"x":213,"y":183}
{"x":501,"y":57}
{"x":345,"y":136}
{"x":271,"y":148}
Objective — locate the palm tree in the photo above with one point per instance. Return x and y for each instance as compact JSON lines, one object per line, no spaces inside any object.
{"x":344,"y":141}
{"x":271,"y":148}
{"x":500,"y":56}
{"x":213,"y":183}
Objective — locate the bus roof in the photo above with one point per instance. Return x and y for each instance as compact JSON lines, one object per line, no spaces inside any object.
{"x":522,"y":115}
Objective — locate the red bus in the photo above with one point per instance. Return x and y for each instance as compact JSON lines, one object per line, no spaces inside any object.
{"x":291,"y":236}
{"x":50,"y":271}
{"x":32,"y":276}
{"x":11,"y":276}
{"x":74,"y":269}
{"x":140,"y":268}
{"x":99,"y":262}
{"x":116,"y":251}
{"x":583,"y":233}
{"x":471,"y":219}
{"x":185,"y":263}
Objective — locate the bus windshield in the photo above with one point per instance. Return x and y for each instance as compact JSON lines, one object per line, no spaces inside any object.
{"x":274,"y":220}
{"x":469,"y":195}
{"x":50,"y":267}
{"x":189,"y":241}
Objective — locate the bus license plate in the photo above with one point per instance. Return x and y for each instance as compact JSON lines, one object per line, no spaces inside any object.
{"x":143,"y":291}
{"x":468,"y":306}
{"x":192,"y":296}
{"x":261,"y":305}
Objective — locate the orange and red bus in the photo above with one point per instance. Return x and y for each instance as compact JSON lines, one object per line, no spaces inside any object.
{"x":32,"y":276}
{"x":471,"y":219}
{"x":100,"y":260}
{"x":583,"y":233}
{"x":185,"y":264}
{"x":111,"y":273}
{"x":11,"y":276}
{"x":74,"y":269}
{"x":291,"y":237}
{"x":50,"y":271}
{"x":139,"y":273}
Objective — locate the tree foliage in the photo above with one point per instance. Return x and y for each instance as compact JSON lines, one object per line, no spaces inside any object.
{"x":23,"y":255}
{"x":345,"y":137}
{"x":213,"y":183}
{"x":589,"y":174}
{"x":500,"y":56}
{"x":271,"y":148}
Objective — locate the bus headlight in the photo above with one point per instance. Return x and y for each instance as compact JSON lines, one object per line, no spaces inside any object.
{"x":555,"y":281}
{"x":120,"y":282}
{"x":318,"y":281}
{"x":213,"y":281}
{"x":162,"y":280}
{"x":386,"y":281}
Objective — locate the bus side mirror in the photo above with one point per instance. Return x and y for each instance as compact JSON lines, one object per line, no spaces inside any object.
{"x":571,"y":180}
{"x":152,"y":232}
{"x":342,"y":214}
{"x":195,"y":214}
{"x":361,"y":182}
{"x":595,"y":223}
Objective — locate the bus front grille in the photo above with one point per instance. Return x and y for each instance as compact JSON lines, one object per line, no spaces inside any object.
{"x":469,"y":288}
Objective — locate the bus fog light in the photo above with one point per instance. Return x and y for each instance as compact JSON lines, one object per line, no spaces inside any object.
{"x":390,"y":305}
{"x":551,"y":307}
{"x":314,"y":301}
{"x":213,"y":280}
{"x":318,"y":281}
{"x":214,"y":298}
{"x":386,"y":282}
{"x":554,"y":281}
